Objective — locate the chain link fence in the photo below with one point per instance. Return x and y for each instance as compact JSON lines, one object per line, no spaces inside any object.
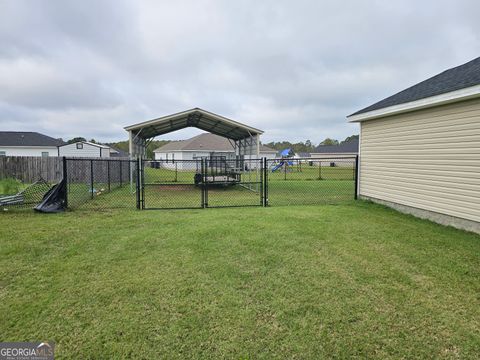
{"x":101,"y":183}
{"x":311,"y":181}
{"x":216,"y":181}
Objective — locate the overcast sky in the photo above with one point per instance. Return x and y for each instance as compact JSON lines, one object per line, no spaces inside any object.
{"x":294,"y":69}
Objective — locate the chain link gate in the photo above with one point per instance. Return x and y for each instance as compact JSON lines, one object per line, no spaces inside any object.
{"x":201,"y":183}
{"x":170,"y":184}
{"x":233,"y":182}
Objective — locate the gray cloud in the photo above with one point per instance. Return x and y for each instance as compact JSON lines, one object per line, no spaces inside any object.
{"x":294,"y":69}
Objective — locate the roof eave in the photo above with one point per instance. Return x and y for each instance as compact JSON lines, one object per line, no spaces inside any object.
{"x":442,"y":99}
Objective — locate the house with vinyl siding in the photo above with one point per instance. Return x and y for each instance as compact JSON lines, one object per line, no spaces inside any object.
{"x":420,"y":148}
{"x":337,"y":155}
{"x":28,"y":143}
{"x":86,"y":149}
{"x":205,"y":145}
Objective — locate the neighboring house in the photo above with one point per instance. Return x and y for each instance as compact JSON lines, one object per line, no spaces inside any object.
{"x":420,"y":148}
{"x":203,"y":146}
{"x":302,"y":155}
{"x":23,"y":143}
{"x":337,"y":155}
{"x":348,"y":149}
{"x":85,"y":149}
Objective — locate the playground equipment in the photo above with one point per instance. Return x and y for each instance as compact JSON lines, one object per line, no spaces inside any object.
{"x":286,"y":161}
{"x":282,"y":163}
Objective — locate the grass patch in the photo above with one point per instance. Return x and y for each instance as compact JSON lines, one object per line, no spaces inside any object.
{"x":10,"y":186}
{"x":353,"y":280}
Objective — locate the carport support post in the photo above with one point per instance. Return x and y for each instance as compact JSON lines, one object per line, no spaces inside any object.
{"x":356,"y":177}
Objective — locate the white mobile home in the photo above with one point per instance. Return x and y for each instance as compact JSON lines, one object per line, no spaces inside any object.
{"x":420,"y":148}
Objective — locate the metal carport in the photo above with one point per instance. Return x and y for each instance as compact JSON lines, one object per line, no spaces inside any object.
{"x":245,"y":139}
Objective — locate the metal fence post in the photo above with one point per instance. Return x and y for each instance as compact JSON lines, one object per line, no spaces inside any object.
{"x":142,"y":183}
{"x":265,"y":182}
{"x":204,"y":183}
{"x":356,"y":177}
{"x":129,"y":166}
{"x":319,"y":170}
{"x":120,"y":164}
{"x":108,"y":174}
{"x":138,"y":185}
{"x":202,"y":173}
{"x":91,"y":178}
{"x":65,"y":178}
{"x":262,"y":193}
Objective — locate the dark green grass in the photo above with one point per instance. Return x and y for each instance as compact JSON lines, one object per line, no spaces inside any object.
{"x":340,"y":281}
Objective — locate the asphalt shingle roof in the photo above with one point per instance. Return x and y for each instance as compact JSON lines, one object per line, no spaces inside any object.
{"x":456,"y":78}
{"x":205,"y":141}
{"x":348,"y":147}
{"x":21,"y":138}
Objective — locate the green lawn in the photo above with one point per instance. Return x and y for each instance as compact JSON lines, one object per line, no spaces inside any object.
{"x":303,"y":172}
{"x":343,"y":281}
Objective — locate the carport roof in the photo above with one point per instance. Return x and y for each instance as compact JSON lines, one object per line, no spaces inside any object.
{"x":196,"y":117}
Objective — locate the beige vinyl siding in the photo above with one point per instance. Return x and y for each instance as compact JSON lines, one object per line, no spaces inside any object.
{"x":428,"y":159}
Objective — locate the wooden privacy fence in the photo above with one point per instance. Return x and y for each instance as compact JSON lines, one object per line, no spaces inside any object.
{"x":29,"y":169}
